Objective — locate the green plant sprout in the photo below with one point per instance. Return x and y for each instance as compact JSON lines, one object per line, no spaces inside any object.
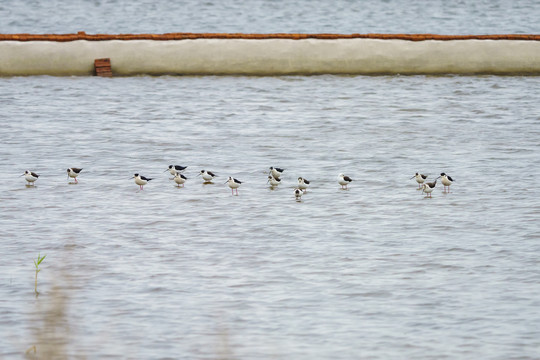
{"x":36,"y":264}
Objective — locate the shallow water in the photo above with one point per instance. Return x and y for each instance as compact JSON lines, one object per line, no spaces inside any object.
{"x":377,"y":271}
{"x":263,"y":16}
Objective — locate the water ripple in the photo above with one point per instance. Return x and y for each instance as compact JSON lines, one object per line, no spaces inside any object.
{"x":378,"y":262}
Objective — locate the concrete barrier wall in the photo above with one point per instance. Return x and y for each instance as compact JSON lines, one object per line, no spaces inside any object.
{"x":271,"y":56}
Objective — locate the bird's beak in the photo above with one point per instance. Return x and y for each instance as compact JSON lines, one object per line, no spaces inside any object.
{"x":199,"y":174}
{"x":437,"y":177}
{"x":166,"y":170}
{"x":413,"y":177}
{"x":21,"y":175}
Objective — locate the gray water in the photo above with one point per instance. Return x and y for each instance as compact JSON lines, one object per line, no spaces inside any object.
{"x":268,"y":16}
{"x":378,"y":271}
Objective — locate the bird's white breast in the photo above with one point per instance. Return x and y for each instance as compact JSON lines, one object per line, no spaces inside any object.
{"x":445,"y":181}
{"x":342,"y":181}
{"x":427,"y":188}
{"x":140,"y":181}
{"x":274,"y":182}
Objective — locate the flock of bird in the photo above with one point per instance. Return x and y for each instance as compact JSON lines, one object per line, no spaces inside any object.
{"x":274,"y":179}
{"x":428,"y":187}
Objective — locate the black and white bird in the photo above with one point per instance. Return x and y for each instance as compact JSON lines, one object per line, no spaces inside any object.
{"x":233,"y":184}
{"x":446,"y":181}
{"x":207,"y":176}
{"x":73,"y":173}
{"x":298,"y":194}
{"x":420,"y":178}
{"x":30,"y":177}
{"x":179,"y":179}
{"x":273,"y":181}
{"x":429,"y":187}
{"x":173,"y":169}
{"x":344,"y":181}
{"x":140,"y":180}
{"x":276,"y":172}
{"x":303,"y":184}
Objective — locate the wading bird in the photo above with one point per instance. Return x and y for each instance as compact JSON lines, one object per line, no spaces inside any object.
{"x":30,"y":177}
{"x":140,"y":180}
{"x":429,"y":187}
{"x":446,"y":181}
{"x":420,"y":178}
{"x":233,"y":184}
{"x":344,"y":181}
{"x":73,"y":173}
{"x":207,"y":176}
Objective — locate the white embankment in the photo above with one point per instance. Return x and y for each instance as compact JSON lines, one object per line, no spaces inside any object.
{"x":272,"y":57}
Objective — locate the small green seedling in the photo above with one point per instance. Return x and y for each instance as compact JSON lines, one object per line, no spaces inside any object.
{"x":36,"y":264}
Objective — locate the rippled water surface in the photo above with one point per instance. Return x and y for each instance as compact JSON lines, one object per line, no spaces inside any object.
{"x":377,"y":271}
{"x":268,"y":16}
